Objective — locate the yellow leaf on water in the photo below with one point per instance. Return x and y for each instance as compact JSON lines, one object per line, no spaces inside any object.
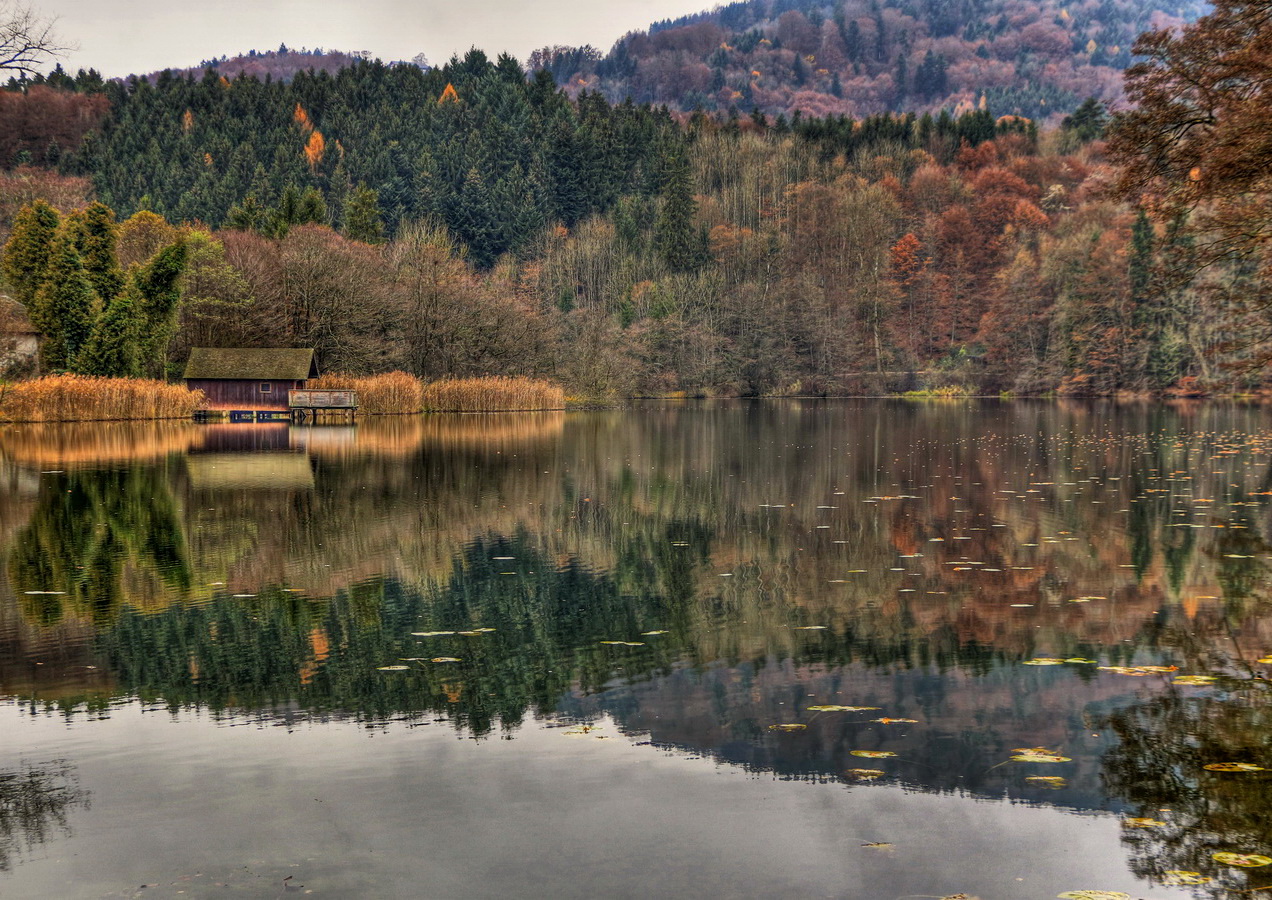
{"x":1198,"y":680}
{"x":442,"y":659}
{"x":1181,"y":877}
{"x":654,"y":632}
{"x":1244,"y":860}
{"x":392,"y":668}
{"x":1081,"y":660}
{"x":1267,"y":660}
{"x":1142,"y":823}
{"x":788,"y":727}
{"x":833,"y":708}
{"x":1043,"y":661}
{"x":1094,"y":895}
{"x":1234,"y":767}
{"x":873,"y":754}
{"x":810,"y":628}
{"x":866,"y":773}
{"x":878,"y":845}
{"x":1051,"y":781}
{"x":887,"y":721}
{"x":429,"y":633}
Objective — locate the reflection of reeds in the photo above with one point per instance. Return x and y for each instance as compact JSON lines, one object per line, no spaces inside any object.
{"x":393,"y":393}
{"x":493,"y":394}
{"x":67,"y":445}
{"x":78,"y":398}
{"x":455,"y":432}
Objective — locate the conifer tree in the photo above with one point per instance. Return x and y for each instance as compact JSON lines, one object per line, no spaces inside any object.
{"x":112,"y":349}
{"x":676,"y":238}
{"x":65,"y":306}
{"x":96,"y":237}
{"x":362,"y":216}
{"x":158,"y":290}
{"x":26,"y":253}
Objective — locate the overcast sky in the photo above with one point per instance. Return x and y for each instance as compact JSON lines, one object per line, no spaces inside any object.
{"x":118,"y":37}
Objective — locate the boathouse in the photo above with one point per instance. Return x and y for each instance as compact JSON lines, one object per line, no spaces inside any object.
{"x":19,"y":339}
{"x":249,"y":379}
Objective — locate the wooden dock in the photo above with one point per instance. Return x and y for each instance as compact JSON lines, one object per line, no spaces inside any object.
{"x":309,"y":405}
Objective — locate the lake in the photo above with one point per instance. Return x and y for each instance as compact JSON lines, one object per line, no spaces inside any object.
{"x":844,"y":649}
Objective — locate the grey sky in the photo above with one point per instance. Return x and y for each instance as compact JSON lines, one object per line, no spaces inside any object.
{"x":118,"y":37}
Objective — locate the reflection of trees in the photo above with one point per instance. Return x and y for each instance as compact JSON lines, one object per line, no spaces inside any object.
{"x":1158,"y":768}
{"x":34,"y":802}
{"x":97,"y":537}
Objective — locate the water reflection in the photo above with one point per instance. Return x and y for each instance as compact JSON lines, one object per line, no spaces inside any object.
{"x":698,"y":574}
{"x":35,"y":800}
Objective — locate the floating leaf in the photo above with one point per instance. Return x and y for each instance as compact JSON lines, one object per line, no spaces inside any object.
{"x":873,"y":754}
{"x":887,"y":721}
{"x":793,"y":726}
{"x":1051,"y":781}
{"x":1267,"y":660}
{"x":1234,"y":767}
{"x":865,"y":773}
{"x":1199,"y":680}
{"x":1181,"y":877}
{"x":833,"y":708}
{"x":1142,"y":823}
{"x":392,"y":668}
{"x":1244,"y":860}
{"x":810,"y":628}
{"x":429,"y":633}
{"x":1093,"y":895}
{"x":879,"y":845}
{"x":1037,"y":754}
{"x":444,"y":659}
{"x":664,"y":631}
{"x":1081,"y":660}
{"x":1043,"y":661}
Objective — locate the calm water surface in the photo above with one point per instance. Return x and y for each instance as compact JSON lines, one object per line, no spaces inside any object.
{"x":583,"y":654}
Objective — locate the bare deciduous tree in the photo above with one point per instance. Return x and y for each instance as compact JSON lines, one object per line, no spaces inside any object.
{"x":27,"y":39}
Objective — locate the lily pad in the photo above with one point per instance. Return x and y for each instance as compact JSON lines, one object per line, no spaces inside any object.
{"x":1244,"y":860}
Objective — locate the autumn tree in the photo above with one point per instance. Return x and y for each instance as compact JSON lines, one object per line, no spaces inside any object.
{"x":1195,"y":144}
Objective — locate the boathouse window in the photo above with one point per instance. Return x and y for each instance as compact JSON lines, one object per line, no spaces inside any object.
{"x":265,"y":387}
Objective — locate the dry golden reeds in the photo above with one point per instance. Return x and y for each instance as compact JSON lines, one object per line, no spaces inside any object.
{"x":81,"y":398}
{"x":393,"y":393}
{"x":494,"y":393}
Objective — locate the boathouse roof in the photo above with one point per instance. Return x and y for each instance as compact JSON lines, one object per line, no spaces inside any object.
{"x":254,"y":364}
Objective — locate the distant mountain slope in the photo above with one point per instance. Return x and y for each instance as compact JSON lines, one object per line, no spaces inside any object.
{"x":282,"y":64}
{"x":1028,"y":57}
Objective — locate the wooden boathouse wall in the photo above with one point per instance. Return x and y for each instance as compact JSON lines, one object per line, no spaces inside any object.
{"x":221,"y":394}
{"x":249,"y":379}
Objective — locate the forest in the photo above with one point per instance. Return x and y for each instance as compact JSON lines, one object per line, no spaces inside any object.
{"x":476,"y":218}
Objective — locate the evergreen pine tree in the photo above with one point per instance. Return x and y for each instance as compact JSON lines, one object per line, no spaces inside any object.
{"x":26,"y":253}
{"x":96,"y":235}
{"x":676,"y":238}
{"x":362,"y":216}
{"x":65,"y":303}
{"x":112,"y":349}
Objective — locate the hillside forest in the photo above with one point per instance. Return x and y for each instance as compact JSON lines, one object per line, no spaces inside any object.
{"x":478,"y":218}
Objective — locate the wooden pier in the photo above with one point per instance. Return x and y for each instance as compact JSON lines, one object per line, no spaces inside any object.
{"x":308,"y":405}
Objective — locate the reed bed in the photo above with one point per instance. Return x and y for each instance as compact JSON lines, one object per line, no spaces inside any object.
{"x":83,"y":398}
{"x":393,"y":393}
{"x":492,"y":394}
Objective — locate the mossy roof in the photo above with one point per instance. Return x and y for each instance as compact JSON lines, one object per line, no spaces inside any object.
{"x":254,"y":364}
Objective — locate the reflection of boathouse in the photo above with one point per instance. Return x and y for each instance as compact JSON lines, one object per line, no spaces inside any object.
{"x":248,"y":379}
{"x":249,"y":457}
